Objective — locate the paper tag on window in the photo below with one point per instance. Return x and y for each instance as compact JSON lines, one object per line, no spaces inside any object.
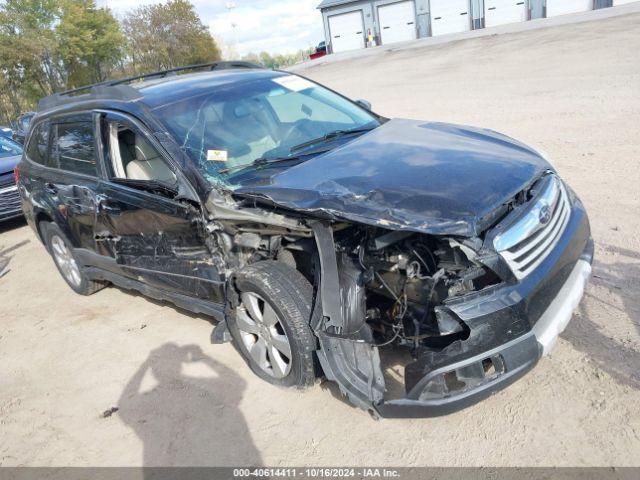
{"x":293,"y":83}
{"x":217,"y":155}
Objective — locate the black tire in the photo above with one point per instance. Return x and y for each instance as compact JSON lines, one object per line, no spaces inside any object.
{"x":290,"y":295}
{"x":85,"y":286}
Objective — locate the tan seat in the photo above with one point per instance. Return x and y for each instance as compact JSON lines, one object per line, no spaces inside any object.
{"x":148,"y":165}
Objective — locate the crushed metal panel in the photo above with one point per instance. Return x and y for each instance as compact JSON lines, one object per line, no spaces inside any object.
{"x":410,"y":188}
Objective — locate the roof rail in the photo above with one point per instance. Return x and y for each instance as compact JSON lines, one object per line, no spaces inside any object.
{"x":119,"y":90}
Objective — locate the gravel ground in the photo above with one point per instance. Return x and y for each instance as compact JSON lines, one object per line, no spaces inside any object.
{"x":573,"y":91}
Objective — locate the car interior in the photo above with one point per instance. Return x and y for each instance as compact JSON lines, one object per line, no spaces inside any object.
{"x":134,"y":158}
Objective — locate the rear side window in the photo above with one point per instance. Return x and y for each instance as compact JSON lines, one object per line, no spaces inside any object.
{"x":75,"y":147}
{"x":38,"y":148}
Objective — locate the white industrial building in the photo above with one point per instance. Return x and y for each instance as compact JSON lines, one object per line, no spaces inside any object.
{"x":354,"y":24}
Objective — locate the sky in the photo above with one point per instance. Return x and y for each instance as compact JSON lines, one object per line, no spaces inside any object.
{"x":275,"y":26}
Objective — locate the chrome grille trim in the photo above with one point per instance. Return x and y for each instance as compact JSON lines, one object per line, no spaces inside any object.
{"x":528,"y":242}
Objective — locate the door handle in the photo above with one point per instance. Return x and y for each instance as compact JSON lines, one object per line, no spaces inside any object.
{"x":107,"y":207}
{"x":105,"y":237}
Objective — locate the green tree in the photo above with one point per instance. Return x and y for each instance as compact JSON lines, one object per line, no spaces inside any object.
{"x":50,"y":45}
{"x":168,"y":35}
{"x":90,"y":42}
{"x":279,"y":60}
{"x":28,"y":61}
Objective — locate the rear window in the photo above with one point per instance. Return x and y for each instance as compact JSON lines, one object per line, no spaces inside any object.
{"x":75,"y":147}
{"x":37,"y":150}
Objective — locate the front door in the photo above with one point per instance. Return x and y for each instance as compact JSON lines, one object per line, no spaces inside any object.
{"x":150,"y":232}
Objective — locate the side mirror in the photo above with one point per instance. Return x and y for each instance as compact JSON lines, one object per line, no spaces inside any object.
{"x":364,"y":104}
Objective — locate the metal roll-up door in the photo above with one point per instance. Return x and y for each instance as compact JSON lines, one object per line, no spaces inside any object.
{"x":450,"y":16}
{"x":397,"y":22}
{"x":501,"y":12}
{"x":347,"y":31}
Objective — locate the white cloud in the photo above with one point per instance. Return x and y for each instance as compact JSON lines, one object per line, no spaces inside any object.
{"x":276,"y":26}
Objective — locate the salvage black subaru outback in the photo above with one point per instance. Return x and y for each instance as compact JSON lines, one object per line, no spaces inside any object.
{"x":324,"y":238}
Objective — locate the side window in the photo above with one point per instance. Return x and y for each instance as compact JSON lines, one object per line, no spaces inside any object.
{"x":38,"y":148}
{"x":133,"y":157}
{"x":75,"y":147}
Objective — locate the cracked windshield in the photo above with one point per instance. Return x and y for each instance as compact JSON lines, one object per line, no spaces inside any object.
{"x":283,"y":119}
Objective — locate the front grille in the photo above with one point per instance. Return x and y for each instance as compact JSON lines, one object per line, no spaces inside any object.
{"x":6,"y":180}
{"x":9,"y":200}
{"x":526,"y":244}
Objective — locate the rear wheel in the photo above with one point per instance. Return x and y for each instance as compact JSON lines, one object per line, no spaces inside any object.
{"x":270,"y":324}
{"x":66,"y":262}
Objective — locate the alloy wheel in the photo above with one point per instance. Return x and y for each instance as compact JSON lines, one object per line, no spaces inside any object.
{"x":263,"y":335}
{"x":66,"y":262}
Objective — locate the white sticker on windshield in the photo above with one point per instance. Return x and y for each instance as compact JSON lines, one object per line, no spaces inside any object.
{"x":217,"y":155}
{"x":293,"y":83}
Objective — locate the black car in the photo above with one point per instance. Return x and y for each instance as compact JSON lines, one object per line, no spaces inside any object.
{"x":10,"y":154}
{"x":21,"y":127}
{"x":326,"y":239}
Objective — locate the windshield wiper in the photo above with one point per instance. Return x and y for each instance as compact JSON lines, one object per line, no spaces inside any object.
{"x":330,"y":136}
{"x":264,"y":161}
{"x":258,"y":162}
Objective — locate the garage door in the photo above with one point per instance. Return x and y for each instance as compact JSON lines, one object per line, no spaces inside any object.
{"x":562,"y":7}
{"x":450,"y":16}
{"x":500,"y":12}
{"x":397,"y":22}
{"x":347,"y":31}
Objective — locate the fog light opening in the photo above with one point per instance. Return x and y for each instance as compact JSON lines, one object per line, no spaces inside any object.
{"x":488,"y":367}
{"x":460,"y":380}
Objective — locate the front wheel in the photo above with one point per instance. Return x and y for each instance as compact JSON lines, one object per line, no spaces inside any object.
{"x":270,"y":324}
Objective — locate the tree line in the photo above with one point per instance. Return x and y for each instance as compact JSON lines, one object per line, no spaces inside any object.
{"x":47,"y":46}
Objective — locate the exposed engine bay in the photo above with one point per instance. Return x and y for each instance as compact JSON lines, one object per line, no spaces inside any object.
{"x":394,"y":281}
{"x":376,"y":289}
{"x":406,"y":278}
{"x":447,"y":309}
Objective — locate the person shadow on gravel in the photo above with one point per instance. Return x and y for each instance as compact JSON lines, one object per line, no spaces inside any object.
{"x":188,"y":420}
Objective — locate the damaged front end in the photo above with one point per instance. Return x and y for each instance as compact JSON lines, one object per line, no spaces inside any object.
{"x":448,"y":317}
{"x":394,"y":289}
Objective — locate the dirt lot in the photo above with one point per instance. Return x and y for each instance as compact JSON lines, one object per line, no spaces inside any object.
{"x":574,"y":91}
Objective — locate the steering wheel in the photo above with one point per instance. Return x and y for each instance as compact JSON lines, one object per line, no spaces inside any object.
{"x":295,"y":133}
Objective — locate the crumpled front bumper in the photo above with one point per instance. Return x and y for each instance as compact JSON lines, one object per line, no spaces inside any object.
{"x":511,"y":329}
{"x":516,"y":358}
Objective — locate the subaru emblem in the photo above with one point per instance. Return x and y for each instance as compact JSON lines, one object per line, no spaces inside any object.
{"x":545,"y":215}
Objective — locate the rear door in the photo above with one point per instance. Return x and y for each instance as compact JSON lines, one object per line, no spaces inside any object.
{"x":144,"y":228}
{"x":501,"y":12}
{"x":397,"y":22}
{"x":450,"y":16}
{"x":74,"y":176}
{"x":347,"y":31}
{"x":33,"y":175}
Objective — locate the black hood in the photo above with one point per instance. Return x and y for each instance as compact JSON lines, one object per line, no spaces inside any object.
{"x":433,"y":178}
